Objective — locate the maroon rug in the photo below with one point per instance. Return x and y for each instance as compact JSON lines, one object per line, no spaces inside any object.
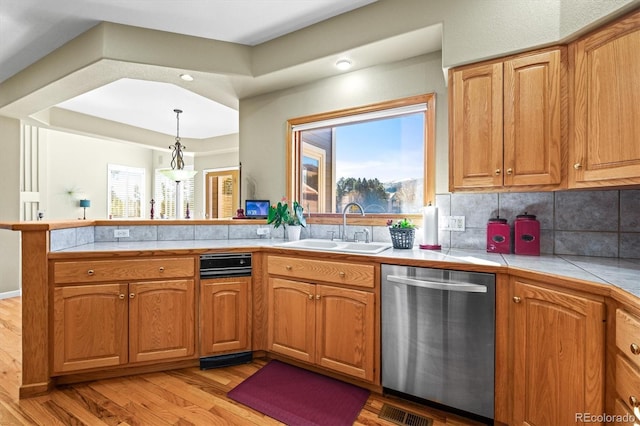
{"x":296,"y":396}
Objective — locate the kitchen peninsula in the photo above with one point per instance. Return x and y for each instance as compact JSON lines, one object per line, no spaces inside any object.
{"x":565,"y":283}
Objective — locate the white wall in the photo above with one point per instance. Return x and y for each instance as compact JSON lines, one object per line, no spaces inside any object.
{"x":263,"y":118}
{"x":79,"y":164}
{"x":10,"y":206}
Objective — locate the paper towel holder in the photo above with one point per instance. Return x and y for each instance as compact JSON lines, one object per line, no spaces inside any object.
{"x":434,"y":218}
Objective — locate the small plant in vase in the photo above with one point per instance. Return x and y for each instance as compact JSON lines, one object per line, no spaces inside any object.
{"x":282,"y":215}
{"x":403,"y":233}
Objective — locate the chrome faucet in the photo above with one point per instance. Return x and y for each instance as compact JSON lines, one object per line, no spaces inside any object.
{"x":344,"y":218}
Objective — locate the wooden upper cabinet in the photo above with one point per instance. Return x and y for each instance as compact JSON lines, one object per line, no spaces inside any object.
{"x":508,"y":123}
{"x":475,"y":127}
{"x":605,"y":148}
{"x":534,"y":93}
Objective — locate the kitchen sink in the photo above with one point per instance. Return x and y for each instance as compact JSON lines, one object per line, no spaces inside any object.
{"x":340,"y":246}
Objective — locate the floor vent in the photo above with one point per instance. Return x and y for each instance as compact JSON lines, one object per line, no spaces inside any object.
{"x":401,"y":417}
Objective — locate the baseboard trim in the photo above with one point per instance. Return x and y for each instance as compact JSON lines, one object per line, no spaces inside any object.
{"x":10,"y":294}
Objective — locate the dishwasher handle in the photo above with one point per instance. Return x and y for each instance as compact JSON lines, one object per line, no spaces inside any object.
{"x":438,"y":285}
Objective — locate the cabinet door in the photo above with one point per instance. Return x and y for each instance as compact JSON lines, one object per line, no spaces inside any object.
{"x":291,"y":324}
{"x":345,"y":321}
{"x":475,"y":127}
{"x":89,"y":326}
{"x":161,"y":320}
{"x":534,"y":98}
{"x":224,"y":315}
{"x":558,"y":356}
{"x":606,"y":147}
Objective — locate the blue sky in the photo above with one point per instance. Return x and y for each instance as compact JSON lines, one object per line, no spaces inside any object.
{"x":387,"y":149}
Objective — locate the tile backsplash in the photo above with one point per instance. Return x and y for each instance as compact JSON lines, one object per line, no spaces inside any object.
{"x":586,"y":223}
{"x":603,"y":223}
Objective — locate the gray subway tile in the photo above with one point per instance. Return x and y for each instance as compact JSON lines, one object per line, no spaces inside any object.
{"x":104,"y":234}
{"x":630,"y":245}
{"x":140,"y":233}
{"x":476,"y":208}
{"x":212,"y":232}
{"x":538,"y":203}
{"x":176,"y":232}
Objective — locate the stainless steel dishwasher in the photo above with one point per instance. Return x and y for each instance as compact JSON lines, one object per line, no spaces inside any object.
{"x":438,"y":336}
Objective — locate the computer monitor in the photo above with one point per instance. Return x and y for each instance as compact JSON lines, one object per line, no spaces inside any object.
{"x":256,"y":209}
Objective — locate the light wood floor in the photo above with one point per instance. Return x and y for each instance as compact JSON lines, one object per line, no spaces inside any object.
{"x":180,"y":397}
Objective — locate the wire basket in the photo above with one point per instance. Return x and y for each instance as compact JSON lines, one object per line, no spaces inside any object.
{"x":402,"y":238}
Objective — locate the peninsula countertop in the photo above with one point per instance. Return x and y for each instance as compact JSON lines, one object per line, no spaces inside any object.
{"x":620,"y":273}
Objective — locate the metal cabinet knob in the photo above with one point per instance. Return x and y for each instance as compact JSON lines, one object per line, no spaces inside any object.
{"x":498,"y":171}
{"x":509,"y":171}
{"x":310,"y":296}
{"x":90,"y":272}
{"x":517,"y":299}
{"x":635,"y":349}
{"x":633,"y":401}
{"x":342,"y":274}
{"x":318,"y":297}
{"x":132,"y":295}
{"x":161,"y":269}
{"x":577,"y":166}
{"x":121,"y":296}
{"x":288,"y":267}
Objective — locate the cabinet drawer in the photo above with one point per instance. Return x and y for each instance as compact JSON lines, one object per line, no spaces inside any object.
{"x":628,"y":336}
{"x":121,"y":270}
{"x":627,"y":383}
{"x":322,"y":270}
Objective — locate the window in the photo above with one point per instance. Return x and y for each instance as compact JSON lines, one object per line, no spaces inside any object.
{"x":380,"y":156}
{"x":126,"y":192}
{"x":165,"y":196}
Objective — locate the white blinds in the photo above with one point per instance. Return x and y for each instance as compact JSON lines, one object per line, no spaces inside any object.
{"x":165,"y":195}
{"x":126,"y":191}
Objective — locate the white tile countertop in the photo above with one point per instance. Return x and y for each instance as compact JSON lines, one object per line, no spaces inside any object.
{"x":622,"y":273}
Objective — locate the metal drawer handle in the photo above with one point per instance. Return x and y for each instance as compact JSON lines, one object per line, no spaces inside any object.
{"x":162,"y":269}
{"x":516,"y":299}
{"x":633,"y":401}
{"x":90,"y":272}
{"x":132,"y":295}
{"x":635,"y":349}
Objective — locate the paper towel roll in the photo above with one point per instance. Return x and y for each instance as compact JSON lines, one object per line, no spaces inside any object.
{"x":430,"y":226}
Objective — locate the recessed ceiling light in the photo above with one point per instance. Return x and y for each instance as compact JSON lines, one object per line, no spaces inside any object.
{"x":343,"y":64}
{"x":186,"y":77}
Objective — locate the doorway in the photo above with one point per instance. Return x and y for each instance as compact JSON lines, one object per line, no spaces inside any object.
{"x":221,"y":194}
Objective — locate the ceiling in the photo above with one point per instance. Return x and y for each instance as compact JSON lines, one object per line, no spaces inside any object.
{"x":31,"y":29}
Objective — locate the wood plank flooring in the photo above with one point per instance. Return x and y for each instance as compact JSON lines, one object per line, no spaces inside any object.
{"x":179,"y":397}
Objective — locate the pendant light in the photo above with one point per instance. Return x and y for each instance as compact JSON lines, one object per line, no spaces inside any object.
{"x":177,"y":172}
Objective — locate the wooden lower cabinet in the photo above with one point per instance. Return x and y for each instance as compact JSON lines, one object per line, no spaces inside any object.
{"x":329,"y":326}
{"x":558,"y":355}
{"x":225,"y":315}
{"x":106,"y":325}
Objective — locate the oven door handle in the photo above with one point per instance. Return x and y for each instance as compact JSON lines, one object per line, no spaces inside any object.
{"x":438,"y":285}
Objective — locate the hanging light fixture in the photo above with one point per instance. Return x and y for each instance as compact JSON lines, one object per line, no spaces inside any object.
{"x":177,"y":172}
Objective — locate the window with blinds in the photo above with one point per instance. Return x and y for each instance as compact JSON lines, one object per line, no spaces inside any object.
{"x":165,"y":195}
{"x":126,"y":192}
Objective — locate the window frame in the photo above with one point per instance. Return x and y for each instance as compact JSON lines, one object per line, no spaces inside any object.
{"x":294,"y":153}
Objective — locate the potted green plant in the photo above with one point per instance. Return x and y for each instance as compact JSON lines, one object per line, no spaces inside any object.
{"x":403,"y":233}
{"x":282,"y":215}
